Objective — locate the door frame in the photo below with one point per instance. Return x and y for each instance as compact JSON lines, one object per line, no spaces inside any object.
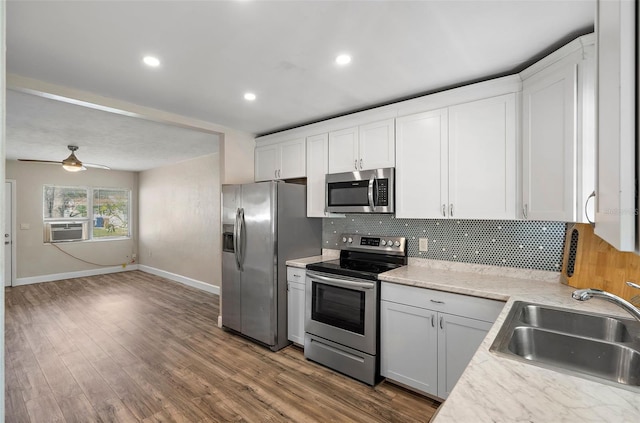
{"x":14,"y":260}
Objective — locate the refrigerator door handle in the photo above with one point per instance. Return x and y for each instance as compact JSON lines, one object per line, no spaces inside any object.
{"x":236,"y":239}
{"x":241,"y":228}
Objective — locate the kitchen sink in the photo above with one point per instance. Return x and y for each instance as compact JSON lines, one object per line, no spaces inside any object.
{"x":593,"y":346}
{"x":591,"y":326}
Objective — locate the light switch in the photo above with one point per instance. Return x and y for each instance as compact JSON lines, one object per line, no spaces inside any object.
{"x":25,"y":226}
{"x":424,"y":244}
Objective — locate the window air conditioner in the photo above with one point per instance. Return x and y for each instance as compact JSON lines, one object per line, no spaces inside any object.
{"x":65,"y":231}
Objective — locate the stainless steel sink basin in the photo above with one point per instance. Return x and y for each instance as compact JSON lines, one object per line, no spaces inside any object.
{"x":592,"y":326}
{"x":611,"y":361}
{"x":593,"y":346}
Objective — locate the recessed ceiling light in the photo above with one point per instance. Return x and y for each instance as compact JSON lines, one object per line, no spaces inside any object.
{"x":154,"y":62}
{"x":343,"y":59}
{"x":249,"y":96}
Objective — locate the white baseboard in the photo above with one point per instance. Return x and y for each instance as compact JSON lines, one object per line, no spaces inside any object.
{"x":181,"y":279}
{"x":70,"y":275}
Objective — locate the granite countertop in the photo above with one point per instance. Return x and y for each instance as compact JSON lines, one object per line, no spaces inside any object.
{"x":498,"y":389}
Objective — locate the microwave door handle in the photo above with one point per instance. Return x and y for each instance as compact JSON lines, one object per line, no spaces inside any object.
{"x":372,"y":181}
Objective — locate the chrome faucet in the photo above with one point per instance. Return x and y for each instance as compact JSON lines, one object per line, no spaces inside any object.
{"x":587,"y":294}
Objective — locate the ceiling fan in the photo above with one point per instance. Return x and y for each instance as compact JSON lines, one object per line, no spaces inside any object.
{"x":71,"y":163}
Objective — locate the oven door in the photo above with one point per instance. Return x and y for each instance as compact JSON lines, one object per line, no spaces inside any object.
{"x":342,"y":310}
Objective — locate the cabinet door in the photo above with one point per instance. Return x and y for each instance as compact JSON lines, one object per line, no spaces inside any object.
{"x":458,"y":340}
{"x":482,"y":159}
{"x":549,"y":174}
{"x":422,"y":171}
{"x":377,"y":145}
{"x":295,"y":312}
{"x":292,"y":159}
{"x":616,"y":213}
{"x":408,"y":346}
{"x":343,"y":150}
{"x":317,"y":168}
{"x":267,"y":162}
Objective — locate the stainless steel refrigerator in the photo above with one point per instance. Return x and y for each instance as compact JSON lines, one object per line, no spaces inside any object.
{"x":263,"y":225}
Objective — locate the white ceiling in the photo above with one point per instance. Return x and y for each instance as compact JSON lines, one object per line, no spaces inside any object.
{"x":41,"y":128}
{"x":212,"y":52}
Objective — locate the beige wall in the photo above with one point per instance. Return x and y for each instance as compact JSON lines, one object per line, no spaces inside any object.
{"x":180,"y":219}
{"x":34,"y":257}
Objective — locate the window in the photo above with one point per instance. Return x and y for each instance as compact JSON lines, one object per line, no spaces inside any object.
{"x":103,"y":211}
{"x":65,"y":202}
{"x":110,"y":213}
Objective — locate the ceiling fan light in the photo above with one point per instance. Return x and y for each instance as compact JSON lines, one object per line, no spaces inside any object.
{"x":77,"y":167}
{"x":72,"y":164}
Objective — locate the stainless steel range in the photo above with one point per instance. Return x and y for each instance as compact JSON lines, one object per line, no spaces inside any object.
{"x":342,"y":304}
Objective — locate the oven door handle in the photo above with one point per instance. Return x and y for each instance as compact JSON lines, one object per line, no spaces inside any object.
{"x":344,"y":283}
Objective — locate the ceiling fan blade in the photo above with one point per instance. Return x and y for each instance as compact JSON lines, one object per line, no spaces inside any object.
{"x":39,"y":161}
{"x":96,"y":166}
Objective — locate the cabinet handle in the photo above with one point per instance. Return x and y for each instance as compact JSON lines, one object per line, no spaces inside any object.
{"x":586,"y":203}
{"x":441,"y":325}
{"x":355,"y":164}
{"x":433,"y":320}
{"x":360,"y":164}
{"x":524,"y":212}
{"x":451,"y":209}
{"x":444,"y":210}
{"x":437,"y":301}
{"x":296,"y":276}
{"x":279,"y":173}
{"x":275,"y":173}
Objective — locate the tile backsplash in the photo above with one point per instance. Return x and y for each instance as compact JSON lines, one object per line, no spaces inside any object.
{"x":523,"y":244}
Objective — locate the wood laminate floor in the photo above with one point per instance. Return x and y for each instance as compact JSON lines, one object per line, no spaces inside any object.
{"x":132,"y":347}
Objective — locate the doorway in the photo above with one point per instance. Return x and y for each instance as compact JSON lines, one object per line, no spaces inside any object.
{"x":9,"y":232}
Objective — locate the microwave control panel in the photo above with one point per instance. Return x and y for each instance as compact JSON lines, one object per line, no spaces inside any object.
{"x":383,"y":192}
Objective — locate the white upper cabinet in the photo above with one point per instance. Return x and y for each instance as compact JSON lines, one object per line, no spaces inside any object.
{"x":422,"y":170}
{"x":343,"y":150}
{"x":369,"y":146}
{"x":377,"y":145}
{"x":458,"y":162}
{"x":317,"y":168}
{"x":284,"y":160}
{"x":267,"y":162}
{"x":616,"y":212}
{"x":482,"y":159}
{"x":558,"y":135}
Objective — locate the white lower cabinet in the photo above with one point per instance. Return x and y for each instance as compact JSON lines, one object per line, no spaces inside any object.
{"x":458,"y":339}
{"x":427,"y":338}
{"x":409,"y":346}
{"x":295,"y":304}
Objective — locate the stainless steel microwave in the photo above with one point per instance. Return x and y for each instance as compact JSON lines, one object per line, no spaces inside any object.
{"x":365,"y":191}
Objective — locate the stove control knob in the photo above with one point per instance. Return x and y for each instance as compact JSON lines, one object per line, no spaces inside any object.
{"x":344,"y":239}
{"x":397,"y":244}
{"x":350,"y":240}
{"x":383,"y":242}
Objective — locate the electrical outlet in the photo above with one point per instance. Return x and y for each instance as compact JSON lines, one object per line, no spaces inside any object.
{"x":424,"y":245}
{"x":134,"y":256}
{"x":149,"y":252}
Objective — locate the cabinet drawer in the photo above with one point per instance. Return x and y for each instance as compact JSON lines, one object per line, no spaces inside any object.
{"x":447,"y":302}
{"x":295,"y":274}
